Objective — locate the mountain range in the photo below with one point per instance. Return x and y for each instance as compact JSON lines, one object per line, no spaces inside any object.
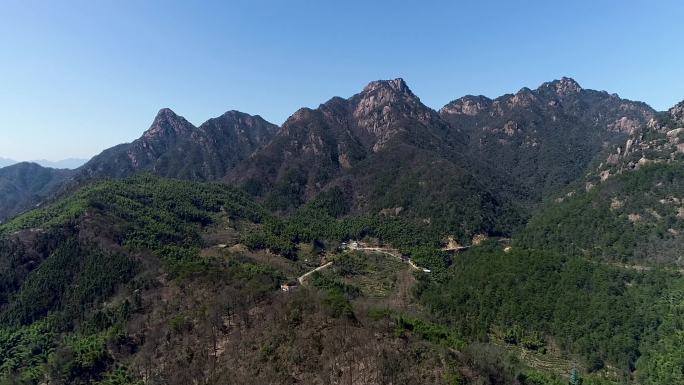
{"x":383,"y":148}
{"x":69,"y":163}
{"x":173,"y":147}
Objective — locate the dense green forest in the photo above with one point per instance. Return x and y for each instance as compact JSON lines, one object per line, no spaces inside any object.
{"x":605,"y":314}
{"x":121,"y":275}
{"x":633,"y":217}
{"x":111,"y":237}
{"x":87,"y":247}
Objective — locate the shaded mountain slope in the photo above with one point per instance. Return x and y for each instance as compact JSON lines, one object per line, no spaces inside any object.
{"x":386,"y":150}
{"x":25,"y":185}
{"x":167,"y":130}
{"x":629,"y":207}
{"x":547,"y":137}
{"x":173,"y":147}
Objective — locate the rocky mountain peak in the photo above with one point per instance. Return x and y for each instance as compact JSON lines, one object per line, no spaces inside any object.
{"x":238,"y":132}
{"x":397,"y":85}
{"x":468,"y":105}
{"x":301,"y":115}
{"x":677,"y":112}
{"x":232,"y":114}
{"x":564,"y":86}
{"x":244,"y":120}
{"x":383,"y":95}
{"x":523,"y":98}
{"x":383,"y":92}
{"x":385,"y":108}
{"x":168,"y":123}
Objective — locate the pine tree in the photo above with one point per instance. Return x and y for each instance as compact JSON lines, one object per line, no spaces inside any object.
{"x":575,"y":378}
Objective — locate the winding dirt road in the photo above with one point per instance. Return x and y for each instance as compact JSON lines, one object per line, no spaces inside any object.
{"x":301,"y":279}
{"x":393,"y":253}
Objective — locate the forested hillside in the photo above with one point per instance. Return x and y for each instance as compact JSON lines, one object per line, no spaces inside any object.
{"x":629,"y":208}
{"x":24,"y":185}
{"x":124,"y":282}
{"x":60,"y":263}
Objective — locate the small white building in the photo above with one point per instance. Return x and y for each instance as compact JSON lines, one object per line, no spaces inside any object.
{"x":288,"y":286}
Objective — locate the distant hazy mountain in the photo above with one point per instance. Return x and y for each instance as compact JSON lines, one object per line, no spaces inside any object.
{"x":69,"y":163}
{"x":4,"y":162}
{"x":25,"y":185}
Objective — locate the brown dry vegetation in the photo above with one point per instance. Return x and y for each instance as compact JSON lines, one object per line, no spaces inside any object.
{"x":195,"y":334}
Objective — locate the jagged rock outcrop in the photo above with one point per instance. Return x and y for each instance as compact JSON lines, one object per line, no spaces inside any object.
{"x":385,"y":109}
{"x":216,"y":146}
{"x":545,"y":138}
{"x":661,"y":140}
{"x":469,"y":105}
{"x":677,"y":113}
{"x":174,"y":147}
{"x":341,"y":133}
{"x":384,"y":148}
{"x":167,"y":130}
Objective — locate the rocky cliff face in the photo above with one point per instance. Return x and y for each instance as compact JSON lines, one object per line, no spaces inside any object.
{"x":387,"y":151}
{"x":546,"y":137}
{"x":216,"y":147}
{"x":677,"y":113}
{"x":661,"y":140}
{"x":386,"y":109}
{"x":167,"y":130}
{"x":341,"y":133}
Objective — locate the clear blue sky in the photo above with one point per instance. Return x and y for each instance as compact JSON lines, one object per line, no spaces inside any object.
{"x":80,"y":76}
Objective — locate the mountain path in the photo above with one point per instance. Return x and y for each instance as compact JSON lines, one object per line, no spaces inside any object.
{"x":301,"y":279}
{"x":393,"y":253}
{"x":639,"y":267}
{"x":384,"y":250}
